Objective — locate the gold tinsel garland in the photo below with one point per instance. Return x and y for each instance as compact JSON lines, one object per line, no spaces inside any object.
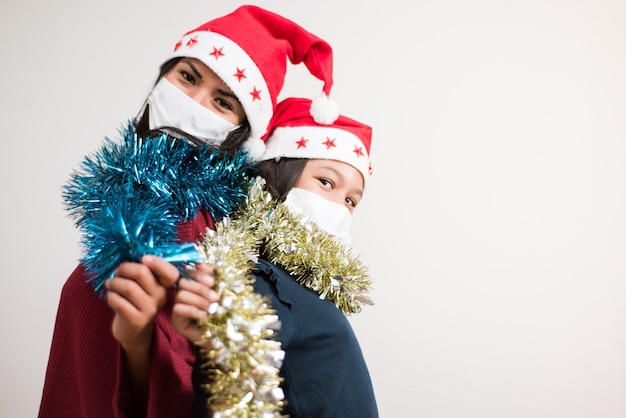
{"x":243,"y":360}
{"x":315,"y":258}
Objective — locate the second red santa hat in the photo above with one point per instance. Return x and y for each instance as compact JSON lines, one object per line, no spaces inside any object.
{"x":295,"y":134}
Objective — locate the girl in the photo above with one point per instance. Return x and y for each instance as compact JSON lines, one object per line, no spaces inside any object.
{"x":312,"y":281}
{"x":118,"y":355}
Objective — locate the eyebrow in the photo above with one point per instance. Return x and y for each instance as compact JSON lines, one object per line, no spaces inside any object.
{"x":229,"y":94}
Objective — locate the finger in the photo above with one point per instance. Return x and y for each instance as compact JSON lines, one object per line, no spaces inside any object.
{"x":202,"y":273}
{"x":166,"y":273}
{"x":128,"y":297}
{"x":140,"y":274}
{"x":190,"y":310}
{"x":120,"y":304}
{"x":135,"y":321}
{"x":206,"y":274}
{"x":185,"y":320}
{"x":127,"y":288}
{"x":199,"y":289}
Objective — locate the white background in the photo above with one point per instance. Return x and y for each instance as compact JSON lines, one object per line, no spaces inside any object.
{"x":494,"y":225}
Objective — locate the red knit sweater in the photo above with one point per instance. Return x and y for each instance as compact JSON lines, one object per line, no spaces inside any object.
{"x":86,"y":376}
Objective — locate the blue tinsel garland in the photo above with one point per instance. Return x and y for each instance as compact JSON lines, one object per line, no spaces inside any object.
{"x":127,"y":198}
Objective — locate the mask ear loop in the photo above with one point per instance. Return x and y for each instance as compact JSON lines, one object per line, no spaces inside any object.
{"x":145,"y":107}
{"x":143,"y":110}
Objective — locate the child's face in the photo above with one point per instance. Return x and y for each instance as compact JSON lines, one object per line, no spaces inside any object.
{"x":333,"y":180}
{"x":200,"y":83}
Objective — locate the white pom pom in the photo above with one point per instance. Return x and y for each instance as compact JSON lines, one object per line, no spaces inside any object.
{"x":324,"y":110}
{"x":255,"y":148}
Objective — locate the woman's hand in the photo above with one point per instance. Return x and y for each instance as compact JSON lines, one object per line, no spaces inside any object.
{"x":136,"y":294}
{"x":192,"y":302}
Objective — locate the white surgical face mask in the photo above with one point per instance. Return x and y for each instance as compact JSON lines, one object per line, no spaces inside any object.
{"x":170,"y":106}
{"x":332,"y":217}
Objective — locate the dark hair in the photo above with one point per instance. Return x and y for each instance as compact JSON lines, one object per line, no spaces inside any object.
{"x":281,"y":176}
{"x":233,"y":142}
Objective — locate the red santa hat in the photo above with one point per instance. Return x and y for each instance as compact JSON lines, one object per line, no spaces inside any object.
{"x":248,"y":50}
{"x":294,"y":133}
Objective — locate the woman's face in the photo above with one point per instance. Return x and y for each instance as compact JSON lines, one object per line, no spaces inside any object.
{"x":200,"y":83}
{"x":333,"y":180}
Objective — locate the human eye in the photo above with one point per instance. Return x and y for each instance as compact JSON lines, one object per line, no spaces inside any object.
{"x":224,"y":104}
{"x":351,"y":202}
{"x":187,"y":76}
{"x":326,"y":183}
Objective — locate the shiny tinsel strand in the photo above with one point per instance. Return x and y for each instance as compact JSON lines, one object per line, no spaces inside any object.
{"x":315,"y":259}
{"x":241,"y":357}
{"x":127,"y":198}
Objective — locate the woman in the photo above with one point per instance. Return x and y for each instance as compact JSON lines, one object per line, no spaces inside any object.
{"x":315,"y":174}
{"x":119,"y":356}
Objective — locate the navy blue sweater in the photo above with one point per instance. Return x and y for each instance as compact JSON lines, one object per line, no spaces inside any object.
{"x":324,"y":372}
